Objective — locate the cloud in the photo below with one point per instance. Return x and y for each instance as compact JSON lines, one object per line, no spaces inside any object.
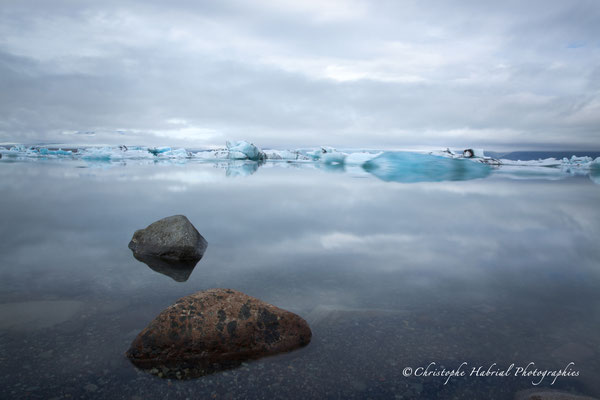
{"x":285,"y":74}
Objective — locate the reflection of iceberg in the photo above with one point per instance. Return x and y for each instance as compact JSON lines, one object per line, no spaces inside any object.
{"x":243,"y":168}
{"x":551,"y":168}
{"x":179,"y":271}
{"x":416,"y":167}
{"x":332,"y":167}
{"x":595,"y":171}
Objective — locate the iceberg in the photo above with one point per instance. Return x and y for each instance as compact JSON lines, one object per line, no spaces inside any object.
{"x":286,"y":155}
{"x":60,"y":152}
{"x":134,"y":153}
{"x":35,"y":152}
{"x":327,"y":155}
{"x":360,"y":158}
{"x":243,"y":150}
{"x":416,"y":167}
{"x":334,"y":157}
{"x":398,"y":166}
{"x":159,"y":150}
{"x":212,"y":155}
{"x":177,"y":153}
{"x":97,"y":154}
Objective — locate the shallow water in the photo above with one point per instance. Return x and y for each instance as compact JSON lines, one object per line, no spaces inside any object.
{"x":389,"y":275}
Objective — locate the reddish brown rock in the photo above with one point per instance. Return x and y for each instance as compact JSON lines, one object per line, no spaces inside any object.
{"x":215,"y":329}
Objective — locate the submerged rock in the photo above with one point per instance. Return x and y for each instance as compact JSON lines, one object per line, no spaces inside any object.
{"x":173,"y":238}
{"x":213,"y":330}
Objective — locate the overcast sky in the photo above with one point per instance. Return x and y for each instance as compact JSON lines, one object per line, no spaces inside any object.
{"x":291,"y":73}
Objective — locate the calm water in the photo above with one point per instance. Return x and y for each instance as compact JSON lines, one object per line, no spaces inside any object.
{"x":389,"y":275}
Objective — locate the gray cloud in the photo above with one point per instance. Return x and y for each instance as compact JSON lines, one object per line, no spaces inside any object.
{"x":285,"y":74}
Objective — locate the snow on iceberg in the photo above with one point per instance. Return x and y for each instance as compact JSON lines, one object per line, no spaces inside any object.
{"x":417,"y":167}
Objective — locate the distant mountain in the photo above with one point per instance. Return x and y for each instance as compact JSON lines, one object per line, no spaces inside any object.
{"x":535,"y":155}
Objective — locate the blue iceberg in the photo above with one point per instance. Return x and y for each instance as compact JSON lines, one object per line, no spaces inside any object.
{"x":416,"y":167}
{"x":243,"y":150}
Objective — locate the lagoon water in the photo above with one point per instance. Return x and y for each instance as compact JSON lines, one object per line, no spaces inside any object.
{"x":388,"y":274}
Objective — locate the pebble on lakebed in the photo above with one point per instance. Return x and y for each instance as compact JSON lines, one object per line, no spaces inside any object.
{"x":213,"y":330}
{"x":547,"y":394}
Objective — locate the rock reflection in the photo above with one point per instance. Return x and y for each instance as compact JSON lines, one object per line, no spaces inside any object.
{"x":178,"y":270}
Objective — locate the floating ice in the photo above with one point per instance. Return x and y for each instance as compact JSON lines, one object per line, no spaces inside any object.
{"x":243,"y":150}
{"x":286,"y":155}
{"x":328,"y":155}
{"x":211,"y":155}
{"x":177,"y":153}
{"x":98,"y":154}
{"x":359,"y":158}
{"x":159,"y":150}
{"x":59,"y":152}
{"x":390,"y":166}
{"x":417,"y":167}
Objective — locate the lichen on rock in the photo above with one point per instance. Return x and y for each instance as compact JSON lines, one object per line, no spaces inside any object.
{"x":213,"y":330}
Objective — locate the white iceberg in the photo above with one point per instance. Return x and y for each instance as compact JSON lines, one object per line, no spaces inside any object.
{"x":177,"y":153}
{"x":243,"y":150}
{"x":286,"y":155}
{"x":211,"y":155}
{"x":328,"y":155}
{"x":360,"y":158}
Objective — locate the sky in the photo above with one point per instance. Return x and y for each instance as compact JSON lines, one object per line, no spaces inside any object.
{"x":287,"y":74}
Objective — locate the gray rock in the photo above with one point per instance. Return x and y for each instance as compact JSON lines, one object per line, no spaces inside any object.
{"x":172,"y":238}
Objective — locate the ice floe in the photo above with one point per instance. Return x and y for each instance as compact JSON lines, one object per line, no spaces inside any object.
{"x":286,"y":155}
{"x":417,"y":167}
{"x":243,"y":150}
{"x":246,"y":157}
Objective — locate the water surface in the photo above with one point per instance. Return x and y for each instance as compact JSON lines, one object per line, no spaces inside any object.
{"x":389,"y":275}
